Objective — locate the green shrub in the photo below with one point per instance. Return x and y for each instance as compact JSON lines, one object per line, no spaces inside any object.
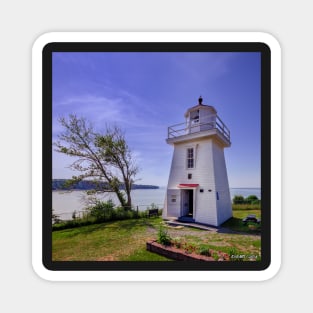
{"x":204,"y":250}
{"x":177,"y":242}
{"x":163,"y":237}
{"x":252,"y":199}
{"x":242,"y":207}
{"x":141,"y":214}
{"x":99,"y":213}
{"x":102,"y":211}
{"x":238,"y":199}
{"x":189,"y":247}
{"x":120,"y":213}
{"x":215,"y":256}
{"x":256,"y":202}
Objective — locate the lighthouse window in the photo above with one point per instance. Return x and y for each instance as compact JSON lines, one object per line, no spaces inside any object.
{"x":194,"y":117}
{"x":190,"y":158}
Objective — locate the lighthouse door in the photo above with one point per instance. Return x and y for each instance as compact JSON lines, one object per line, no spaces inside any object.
{"x":187,"y":202}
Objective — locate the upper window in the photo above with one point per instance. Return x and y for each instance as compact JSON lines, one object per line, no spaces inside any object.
{"x":190,"y":158}
{"x":194,"y":116}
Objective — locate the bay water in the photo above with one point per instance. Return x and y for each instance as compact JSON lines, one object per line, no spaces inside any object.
{"x":64,"y":203}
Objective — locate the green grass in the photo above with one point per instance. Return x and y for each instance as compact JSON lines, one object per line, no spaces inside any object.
{"x":240,"y":211}
{"x":247,"y":245}
{"x":126,"y":241}
{"x":246,"y":207}
{"x":119,"y":240}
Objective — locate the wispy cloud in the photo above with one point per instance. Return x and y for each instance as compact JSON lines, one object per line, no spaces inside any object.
{"x":126,"y":110}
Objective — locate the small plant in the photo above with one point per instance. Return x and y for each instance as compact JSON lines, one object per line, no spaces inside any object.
{"x":177,"y":242}
{"x":215,"y":256}
{"x":189,"y":247}
{"x":223,"y":256}
{"x":233,"y":251}
{"x":163,"y":237}
{"x":203,"y":250}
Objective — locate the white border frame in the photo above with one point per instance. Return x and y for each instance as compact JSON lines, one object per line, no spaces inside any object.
{"x":114,"y":275}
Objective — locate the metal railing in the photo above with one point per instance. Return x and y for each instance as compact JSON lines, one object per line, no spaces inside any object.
{"x":195,"y":127}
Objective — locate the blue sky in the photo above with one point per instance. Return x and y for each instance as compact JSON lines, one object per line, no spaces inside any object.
{"x":144,"y":93}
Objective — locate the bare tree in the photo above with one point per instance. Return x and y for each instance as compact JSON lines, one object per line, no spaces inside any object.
{"x":106,"y":158}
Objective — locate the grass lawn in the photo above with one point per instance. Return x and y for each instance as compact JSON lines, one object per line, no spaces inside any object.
{"x":111,"y":241}
{"x":126,"y":240}
{"x":240,"y":211}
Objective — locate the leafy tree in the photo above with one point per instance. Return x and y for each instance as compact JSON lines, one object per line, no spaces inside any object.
{"x":103,"y":157}
{"x":238,"y":199}
{"x":251,"y":199}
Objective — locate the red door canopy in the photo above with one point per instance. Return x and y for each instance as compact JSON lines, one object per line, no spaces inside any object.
{"x":188,"y":185}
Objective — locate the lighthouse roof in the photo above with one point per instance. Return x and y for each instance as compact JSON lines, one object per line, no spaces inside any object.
{"x":200,"y":106}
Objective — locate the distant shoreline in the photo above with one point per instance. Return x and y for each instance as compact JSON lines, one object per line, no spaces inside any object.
{"x":58,"y":184}
{"x":244,"y":187}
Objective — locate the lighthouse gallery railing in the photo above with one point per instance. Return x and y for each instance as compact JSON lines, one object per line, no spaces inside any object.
{"x":194,"y":127}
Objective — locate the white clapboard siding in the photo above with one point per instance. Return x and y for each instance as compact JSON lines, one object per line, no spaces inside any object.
{"x":210,"y":173}
{"x":173,"y":204}
{"x":224,"y":208}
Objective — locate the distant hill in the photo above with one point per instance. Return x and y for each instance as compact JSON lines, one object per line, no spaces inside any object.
{"x":58,"y":184}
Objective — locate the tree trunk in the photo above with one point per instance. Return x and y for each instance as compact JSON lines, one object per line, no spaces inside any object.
{"x":129,"y":201}
{"x":128,"y":196}
{"x":121,"y":198}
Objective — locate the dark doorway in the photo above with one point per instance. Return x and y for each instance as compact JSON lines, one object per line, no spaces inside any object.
{"x":187,"y":202}
{"x":187,"y":209}
{"x":190,"y":203}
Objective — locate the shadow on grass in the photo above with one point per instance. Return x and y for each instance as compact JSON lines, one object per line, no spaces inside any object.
{"x":79,"y":230}
{"x":235,"y":225}
{"x":126,"y":225}
{"x":135,"y":223}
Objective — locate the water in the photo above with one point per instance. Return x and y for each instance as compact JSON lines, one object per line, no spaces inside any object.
{"x":245,"y":192}
{"x":65,"y":203}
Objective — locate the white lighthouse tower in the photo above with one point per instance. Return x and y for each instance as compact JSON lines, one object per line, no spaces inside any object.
{"x":198,"y":189}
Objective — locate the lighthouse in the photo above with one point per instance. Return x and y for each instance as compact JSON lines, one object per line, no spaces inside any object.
{"x":198,"y":189}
